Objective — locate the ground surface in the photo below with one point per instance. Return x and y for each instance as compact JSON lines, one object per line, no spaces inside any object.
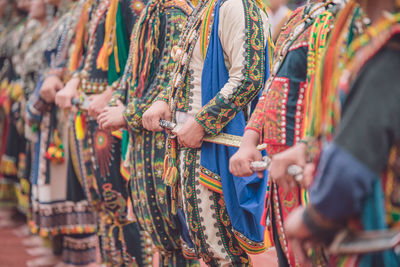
{"x":13,"y":253}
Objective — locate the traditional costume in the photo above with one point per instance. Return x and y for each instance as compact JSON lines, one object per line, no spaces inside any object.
{"x":222,"y":65}
{"x":359,"y":122}
{"x":148,"y":73}
{"x":9,"y":41}
{"x":95,"y":153}
{"x":59,"y":205}
{"x":280,"y":111}
{"x":15,"y":163}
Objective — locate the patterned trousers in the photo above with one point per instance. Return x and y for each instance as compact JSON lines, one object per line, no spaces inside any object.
{"x":207,"y":218}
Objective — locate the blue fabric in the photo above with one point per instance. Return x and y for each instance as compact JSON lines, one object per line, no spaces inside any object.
{"x":36,"y":145}
{"x":343,"y":181}
{"x":373,"y":218}
{"x":48,"y":54}
{"x":184,"y":229}
{"x":244,"y":196}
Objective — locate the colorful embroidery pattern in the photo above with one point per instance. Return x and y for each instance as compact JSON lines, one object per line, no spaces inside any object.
{"x":150,"y":199}
{"x":275,"y":112}
{"x":219,"y":111}
{"x":160,"y":77}
{"x":103,"y":147}
{"x":210,"y":180}
{"x":193,"y":188}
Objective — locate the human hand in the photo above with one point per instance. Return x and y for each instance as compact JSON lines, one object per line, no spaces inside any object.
{"x":239,"y":163}
{"x":65,"y":95}
{"x":300,"y":237}
{"x":191,"y":134}
{"x":151,"y":117}
{"x":278,"y":169}
{"x":99,"y":102}
{"x":49,"y":88}
{"x":112,"y":118}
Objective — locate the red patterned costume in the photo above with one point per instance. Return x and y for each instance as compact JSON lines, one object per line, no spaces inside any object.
{"x":278,"y":117}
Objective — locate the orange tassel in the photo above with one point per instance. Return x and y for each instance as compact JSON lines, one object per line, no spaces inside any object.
{"x":110,"y":39}
{"x":80,"y":38}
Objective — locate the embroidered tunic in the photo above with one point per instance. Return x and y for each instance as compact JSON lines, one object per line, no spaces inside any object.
{"x":96,"y":157}
{"x":279,"y":114}
{"x":151,"y":204}
{"x":59,"y":205}
{"x":242,"y":33}
{"x":8,"y":45}
{"x":15,"y":163}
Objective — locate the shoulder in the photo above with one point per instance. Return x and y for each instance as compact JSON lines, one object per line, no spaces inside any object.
{"x":232,"y":10}
{"x":376,"y":84}
{"x":181,"y":5}
{"x":384,"y":65}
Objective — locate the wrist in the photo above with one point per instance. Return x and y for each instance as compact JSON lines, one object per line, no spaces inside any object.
{"x":312,"y":148}
{"x":250,"y":139}
{"x":199,"y":125}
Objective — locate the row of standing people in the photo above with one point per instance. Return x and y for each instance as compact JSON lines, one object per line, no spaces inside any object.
{"x":128,"y":64}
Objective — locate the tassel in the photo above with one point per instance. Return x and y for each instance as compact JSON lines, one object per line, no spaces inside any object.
{"x":80,"y":126}
{"x":171,"y":173}
{"x":55,"y":151}
{"x":146,"y":35}
{"x":80,"y":38}
{"x":110,"y":39}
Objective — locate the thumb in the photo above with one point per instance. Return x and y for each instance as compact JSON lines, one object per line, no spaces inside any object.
{"x":59,"y":85}
{"x":308,"y":175}
{"x":119,"y":103}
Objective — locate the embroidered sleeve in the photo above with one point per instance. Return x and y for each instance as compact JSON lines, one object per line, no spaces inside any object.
{"x":137,"y":106}
{"x":241,"y":32}
{"x":119,"y":93}
{"x":163,"y":95}
{"x":256,"y":121}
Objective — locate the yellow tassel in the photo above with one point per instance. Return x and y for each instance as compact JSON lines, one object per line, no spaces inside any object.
{"x":267,"y":239}
{"x":116,"y":58}
{"x":79,"y":131}
{"x":174,"y":200}
{"x":194,"y":2}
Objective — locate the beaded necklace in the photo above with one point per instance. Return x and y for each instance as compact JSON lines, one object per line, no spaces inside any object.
{"x":344,"y":59}
{"x":365,"y":46}
{"x":184,"y":50}
{"x":198,"y":25}
{"x":320,"y":63}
